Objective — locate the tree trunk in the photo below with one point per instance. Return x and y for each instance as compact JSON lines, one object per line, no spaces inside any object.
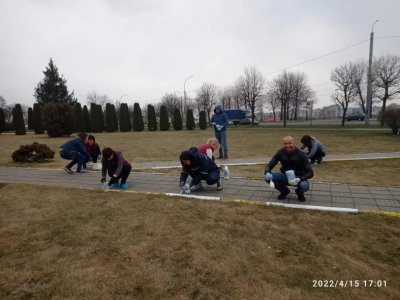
{"x":384,"y":105}
{"x":344,"y":115}
{"x":284,"y":114}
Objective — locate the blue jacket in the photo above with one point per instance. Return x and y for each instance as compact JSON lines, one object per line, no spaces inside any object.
{"x":220,"y":119}
{"x":200,"y":168}
{"x":76,"y":146}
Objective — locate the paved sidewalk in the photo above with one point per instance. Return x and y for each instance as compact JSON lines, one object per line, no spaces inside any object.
{"x":332,"y":195}
{"x":161,"y":164}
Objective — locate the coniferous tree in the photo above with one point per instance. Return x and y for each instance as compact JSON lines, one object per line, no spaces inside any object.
{"x":2,"y":121}
{"x":164,"y":121}
{"x":190,"y":124}
{"x":58,"y":119}
{"x":80,"y":125}
{"x":138,"y":124}
{"x":95,"y":118}
{"x":151,"y":118}
{"x":37,"y":119}
{"x":125,"y":119}
{"x":115,"y":117}
{"x":53,"y":88}
{"x":203,"y":120}
{"x":110,"y":126}
{"x":19,"y":120}
{"x":86,"y":119}
{"x":30,"y":118}
{"x":177,"y":119}
{"x":101,"y":118}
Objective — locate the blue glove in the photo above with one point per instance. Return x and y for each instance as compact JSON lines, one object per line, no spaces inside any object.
{"x":213,"y":123}
{"x":99,"y":157}
{"x":268,"y":176}
{"x":219,"y":127}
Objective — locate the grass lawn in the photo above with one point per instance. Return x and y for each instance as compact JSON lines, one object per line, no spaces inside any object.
{"x":166,"y":146}
{"x":59,"y":243}
{"x":382,"y":172}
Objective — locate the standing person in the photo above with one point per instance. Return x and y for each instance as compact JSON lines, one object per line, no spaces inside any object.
{"x":220,"y":121}
{"x":316,"y":150}
{"x":208,"y":149}
{"x":75,"y":150}
{"x":93,"y":149}
{"x":199,"y":167}
{"x":117,"y":167}
{"x":291,"y":158}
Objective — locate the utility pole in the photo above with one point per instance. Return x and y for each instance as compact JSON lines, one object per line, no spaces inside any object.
{"x":369,"y":84}
{"x":184,"y":94}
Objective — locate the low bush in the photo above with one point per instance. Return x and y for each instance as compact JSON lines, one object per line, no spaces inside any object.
{"x":32,"y":153}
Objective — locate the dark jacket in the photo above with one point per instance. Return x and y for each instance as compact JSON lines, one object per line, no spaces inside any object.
{"x":296,"y":161}
{"x":93,"y":150}
{"x":114,"y":165}
{"x":200,"y":168}
{"x":220,"y":119}
{"x":76,"y":146}
{"x":315,"y":145}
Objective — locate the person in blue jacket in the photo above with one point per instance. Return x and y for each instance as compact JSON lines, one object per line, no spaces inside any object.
{"x":75,"y":150}
{"x":199,"y":167}
{"x":220,"y":121}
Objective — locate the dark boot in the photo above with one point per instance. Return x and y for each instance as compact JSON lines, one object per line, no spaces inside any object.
{"x":300,"y":196}
{"x":283,"y":195}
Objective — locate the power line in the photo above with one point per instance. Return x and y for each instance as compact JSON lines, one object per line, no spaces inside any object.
{"x":387,"y":37}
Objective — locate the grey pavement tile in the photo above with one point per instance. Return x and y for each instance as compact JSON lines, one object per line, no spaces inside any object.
{"x":389,"y":208}
{"x":391,"y":203}
{"x":363,"y":196}
{"x":320,"y":198}
{"x":320,"y":203}
{"x":242,"y":197}
{"x":345,"y":205}
{"x":263,"y":194}
{"x":342,"y":200}
{"x":368,"y":207}
{"x":247,"y":188}
{"x":395,"y":193}
{"x":340,"y":194}
{"x":321,"y":187}
{"x":278,"y":201}
{"x":364,"y":201}
{"x":397,"y":197}
{"x":238,"y":182}
{"x":377,"y":188}
{"x":229,"y":190}
{"x":244,"y":193}
{"x":255,"y":183}
{"x":359,"y":190}
{"x":321,"y":193}
{"x":342,"y":190}
{"x":384,"y":197}
{"x":373,"y":192}
{"x":259,"y":198}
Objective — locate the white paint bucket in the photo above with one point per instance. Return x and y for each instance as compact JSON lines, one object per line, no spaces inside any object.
{"x":96,"y":166}
{"x":290,"y":175}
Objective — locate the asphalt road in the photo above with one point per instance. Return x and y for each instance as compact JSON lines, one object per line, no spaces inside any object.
{"x":321,"y":122}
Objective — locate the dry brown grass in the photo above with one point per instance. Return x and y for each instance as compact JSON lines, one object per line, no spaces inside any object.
{"x":59,"y":243}
{"x":166,"y":146}
{"x":382,"y":172}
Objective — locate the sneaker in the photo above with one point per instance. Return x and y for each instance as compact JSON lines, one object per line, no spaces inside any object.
{"x":219,"y":185}
{"x":220,"y":157}
{"x":300,"y":196}
{"x":197,"y":187}
{"x":106,"y":187}
{"x":283,"y":195}
{"x":116,"y":184}
{"x":225,"y":157}
{"x":124,"y":186}
{"x":319,"y":160}
{"x":68,"y":170}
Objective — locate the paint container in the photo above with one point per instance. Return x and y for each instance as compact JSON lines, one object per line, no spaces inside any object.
{"x":226,"y":174}
{"x":290,"y":175}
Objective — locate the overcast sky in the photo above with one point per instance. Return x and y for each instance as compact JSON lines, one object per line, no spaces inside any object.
{"x":148,"y":48}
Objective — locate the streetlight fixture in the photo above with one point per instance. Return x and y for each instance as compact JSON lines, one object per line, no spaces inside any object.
{"x":184,"y":91}
{"x":122,"y":96}
{"x":369,"y":84}
{"x":181,"y":98}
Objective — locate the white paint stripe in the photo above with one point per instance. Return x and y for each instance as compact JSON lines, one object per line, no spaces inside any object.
{"x":366,"y":158}
{"x":341,"y":209}
{"x":148,"y":173}
{"x":173,"y":167}
{"x":193,"y":196}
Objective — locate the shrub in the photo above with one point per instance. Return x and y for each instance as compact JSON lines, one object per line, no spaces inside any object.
{"x":151,"y":118}
{"x":80,"y":125}
{"x":58,"y":119}
{"x":177,"y":119}
{"x":203,"y":120}
{"x":30,"y":118}
{"x":115,"y":117}
{"x":391,"y":117}
{"x":2,"y":121}
{"x":101,"y":117}
{"x":190,"y":125}
{"x":37,"y":119}
{"x":18,"y":118}
{"x":138,"y":124}
{"x":125,"y":120}
{"x":32,"y":153}
{"x":110,"y":118}
{"x":164,"y":121}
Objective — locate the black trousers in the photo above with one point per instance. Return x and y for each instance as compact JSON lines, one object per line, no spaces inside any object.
{"x":126,"y":171}
{"x":318,"y":154}
{"x":94,"y":160}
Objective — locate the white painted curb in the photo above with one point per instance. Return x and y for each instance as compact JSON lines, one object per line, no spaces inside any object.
{"x":314,"y":207}
{"x":193,"y":196}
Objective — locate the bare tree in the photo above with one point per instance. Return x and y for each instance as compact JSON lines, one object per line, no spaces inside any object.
{"x":272,"y":101}
{"x":237,"y":98}
{"x":283,"y":86}
{"x":3,"y":102}
{"x":171,"y":102}
{"x":251,"y":86}
{"x":206,"y":97}
{"x":300,"y":86}
{"x":226,"y":98}
{"x":343,"y":79}
{"x":387,"y":79}
{"x":94,"y":97}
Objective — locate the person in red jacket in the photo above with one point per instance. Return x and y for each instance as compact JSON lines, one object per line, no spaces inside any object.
{"x":117,"y":167}
{"x":208,"y":149}
{"x":93,"y":149}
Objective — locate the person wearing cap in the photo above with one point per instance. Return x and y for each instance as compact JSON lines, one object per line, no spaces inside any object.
{"x":93,"y":149}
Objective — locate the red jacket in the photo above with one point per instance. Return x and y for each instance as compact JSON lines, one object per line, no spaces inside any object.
{"x":93,"y":150}
{"x":203,"y":149}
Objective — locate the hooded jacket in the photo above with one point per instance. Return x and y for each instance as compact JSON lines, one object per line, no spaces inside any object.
{"x":75,"y":146}
{"x":201,"y":167}
{"x":220,"y":119}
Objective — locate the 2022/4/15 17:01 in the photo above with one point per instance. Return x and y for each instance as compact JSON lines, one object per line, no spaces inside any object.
{"x":349,"y":283}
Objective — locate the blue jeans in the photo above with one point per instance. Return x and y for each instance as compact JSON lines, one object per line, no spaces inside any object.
{"x":76,"y":157}
{"x":221,"y":137}
{"x":281,"y":183}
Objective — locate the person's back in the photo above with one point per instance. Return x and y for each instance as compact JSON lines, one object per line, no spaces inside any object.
{"x":73,"y":145}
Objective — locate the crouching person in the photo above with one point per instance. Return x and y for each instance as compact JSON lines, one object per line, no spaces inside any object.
{"x":117,"y":167}
{"x":199,"y":167}
{"x":291,"y":158}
